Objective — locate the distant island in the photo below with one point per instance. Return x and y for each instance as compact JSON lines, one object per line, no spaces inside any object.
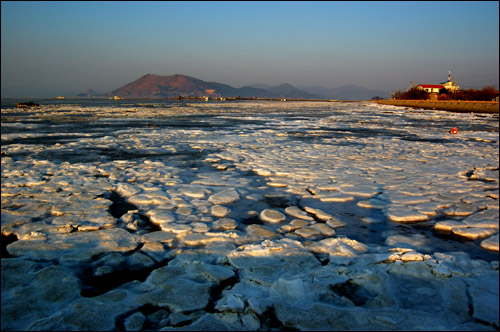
{"x":157,"y":86}
{"x":89,"y":93}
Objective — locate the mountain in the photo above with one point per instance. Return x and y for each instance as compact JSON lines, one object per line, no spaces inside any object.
{"x":156,"y":86}
{"x":347,"y":92}
{"x":262,"y":86}
{"x":248,"y":91}
{"x":151,"y":86}
{"x":285,"y":90}
{"x":89,"y":93}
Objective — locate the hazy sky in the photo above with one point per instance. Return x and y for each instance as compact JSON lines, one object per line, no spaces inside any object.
{"x":63,"y":48}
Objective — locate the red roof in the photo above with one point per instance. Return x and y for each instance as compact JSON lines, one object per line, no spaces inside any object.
{"x":434,"y":86}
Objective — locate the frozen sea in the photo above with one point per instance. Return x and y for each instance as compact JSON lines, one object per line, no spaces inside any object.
{"x":248,"y":215}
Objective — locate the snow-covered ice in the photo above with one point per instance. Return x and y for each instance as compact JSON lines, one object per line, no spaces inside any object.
{"x":248,"y":216}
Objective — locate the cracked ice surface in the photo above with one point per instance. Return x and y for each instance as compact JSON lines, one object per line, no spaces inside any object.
{"x":248,"y":216}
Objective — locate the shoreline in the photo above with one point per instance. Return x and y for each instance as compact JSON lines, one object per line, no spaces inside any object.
{"x":459,"y":106}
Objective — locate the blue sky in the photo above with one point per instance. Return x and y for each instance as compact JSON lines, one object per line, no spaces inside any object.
{"x":63,"y":48}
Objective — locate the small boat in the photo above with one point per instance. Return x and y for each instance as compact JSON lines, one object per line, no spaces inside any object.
{"x":60,"y":97}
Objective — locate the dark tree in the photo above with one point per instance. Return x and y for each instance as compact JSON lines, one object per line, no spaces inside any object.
{"x":485,"y":94}
{"x":413,"y":94}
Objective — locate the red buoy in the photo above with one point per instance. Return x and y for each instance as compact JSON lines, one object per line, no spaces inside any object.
{"x":454,"y":130}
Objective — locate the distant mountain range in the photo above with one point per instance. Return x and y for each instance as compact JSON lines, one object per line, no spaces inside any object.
{"x":156,"y":86}
{"x":288,"y":91}
{"x":89,"y":93}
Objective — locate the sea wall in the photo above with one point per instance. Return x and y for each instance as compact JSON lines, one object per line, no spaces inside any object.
{"x":453,"y":106}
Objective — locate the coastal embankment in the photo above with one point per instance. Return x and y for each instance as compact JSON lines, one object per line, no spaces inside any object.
{"x":447,"y":105}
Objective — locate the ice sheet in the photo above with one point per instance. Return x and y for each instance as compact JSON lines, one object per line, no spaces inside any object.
{"x":287,"y":200}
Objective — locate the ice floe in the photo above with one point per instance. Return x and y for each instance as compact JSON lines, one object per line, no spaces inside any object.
{"x":271,"y":216}
{"x":224,"y":197}
{"x":248,"y":216}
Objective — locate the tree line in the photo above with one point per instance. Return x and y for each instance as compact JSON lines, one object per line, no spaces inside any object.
{"x":487,"y":93}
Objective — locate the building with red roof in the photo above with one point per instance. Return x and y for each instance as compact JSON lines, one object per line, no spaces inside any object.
{"x":434,"y":88}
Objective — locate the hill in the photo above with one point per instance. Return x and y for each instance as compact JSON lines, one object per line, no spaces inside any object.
{"x":285,"y":90}
{"x":156,"y":86}
{"x":151,"y":86}
{"x":89,"y":93}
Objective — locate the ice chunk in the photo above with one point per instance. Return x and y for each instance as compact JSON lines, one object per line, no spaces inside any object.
{"x":412,"y":256}
{"x":461,"y":209}
{"x":321,"y":215}
{"x":473,"y":233}
{"x":175,"y":228}
{"x":200,"y":227}
{"x":292,"y":288}
{"x":336,"y":197}
{"x":262,"y":172}
{"x":484,"y":296}
{"x":127,"y":190}
{"x":162,"y":217}
{"x":308,"y":231}
{"x":271,"y":216}
{"x":219,"y":211}
{"x":340,"y":247}
{"x":277,"y":184}
{"x":407,"y":199}
{"x":224,"y":224}
{"x":259,"y":231}
{"x":483,"y":219}
{"x":193,"y":192}
{"x":328,"y":187}
{"x":75,"y":247}
{"x":324,"y":229}
{"x":334,"y":223}
{"x":448,"y":225}
{"x":163,"y":237}
{"x":360,"y":190}
{"x":184,"y":211}
{"x":202,"y":239}
{"x":146,"y":199}
{"x":428,"y":208}
{"x":293,"y":225}
{"x":297,"y":213}
{"x":225,"y":197}
{"x":491,"y":243}
{"x":230,"y":302}
{"x":178,"y":294}
{"x":135,"y":322}
{"x":404,"y":215}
